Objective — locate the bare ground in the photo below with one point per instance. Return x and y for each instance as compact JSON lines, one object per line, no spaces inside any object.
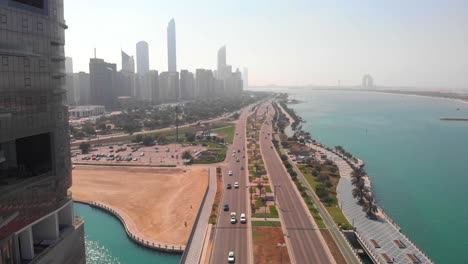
{"x":265,"y":243}
{"x":335,"y":251}
{"x":161,"y":202}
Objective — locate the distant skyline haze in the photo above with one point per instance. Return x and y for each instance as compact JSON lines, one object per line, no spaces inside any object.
{"x":399,"y":43}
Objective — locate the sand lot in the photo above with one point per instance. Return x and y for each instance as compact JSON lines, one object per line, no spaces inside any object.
{"x":157,"y":201}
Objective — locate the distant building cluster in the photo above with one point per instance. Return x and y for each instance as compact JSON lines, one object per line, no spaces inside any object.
{"x":104,"y":84}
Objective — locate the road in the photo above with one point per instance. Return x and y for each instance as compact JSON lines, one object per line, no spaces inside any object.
{"x":304,"y":240}
{"x":234,"y":237}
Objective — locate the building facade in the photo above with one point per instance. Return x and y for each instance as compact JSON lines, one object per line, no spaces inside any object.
{"x":82,"y":88}
{"x":37,"y":222}
{"x":171,"y":47}
{"x":103,"y":83}
{"x":142,"y":53}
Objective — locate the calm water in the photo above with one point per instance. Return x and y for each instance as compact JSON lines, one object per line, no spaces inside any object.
{"x":107,"y":242}
{"x":418,"y":164}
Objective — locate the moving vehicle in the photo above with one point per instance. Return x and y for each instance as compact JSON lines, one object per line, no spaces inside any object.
{"x":243,"y":219}
{"x":236,"y":185}
{"x":226,"y":207}
{"x":242,"y":167}
{"x":228,"y":186}
{"x":231,"y":257}
{"x":233,"y":218}
{"x":142,"y":154}
{"x":230,"y":173}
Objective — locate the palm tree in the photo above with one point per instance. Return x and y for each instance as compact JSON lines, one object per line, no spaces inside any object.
{"x":359,"y":193}
{"x":370,"y":207}
{"x":356,"y":181}
{"x":260,"y":187}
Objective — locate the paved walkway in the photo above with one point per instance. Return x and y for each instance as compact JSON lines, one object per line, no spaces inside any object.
{"x":195,"y":247}
{"x":382,"y":231}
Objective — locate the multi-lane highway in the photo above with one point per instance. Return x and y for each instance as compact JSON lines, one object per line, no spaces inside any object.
{"x":305,"y":242}
{"x":234,"y":237}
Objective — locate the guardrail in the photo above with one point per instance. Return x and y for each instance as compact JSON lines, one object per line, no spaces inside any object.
{"x":146,"y":243}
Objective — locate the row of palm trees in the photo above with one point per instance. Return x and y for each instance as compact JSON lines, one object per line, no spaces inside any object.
{"x":362,"y":193}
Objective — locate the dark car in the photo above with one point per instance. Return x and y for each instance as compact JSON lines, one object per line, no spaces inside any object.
{"x":226,"y":207}
{"x":228,"y":186}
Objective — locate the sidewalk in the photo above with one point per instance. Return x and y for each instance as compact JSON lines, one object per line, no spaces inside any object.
{"x":195,"y":247}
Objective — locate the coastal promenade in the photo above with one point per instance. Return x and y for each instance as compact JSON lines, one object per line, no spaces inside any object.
{"x":382,"y":239}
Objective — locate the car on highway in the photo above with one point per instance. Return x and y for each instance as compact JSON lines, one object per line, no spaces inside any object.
{"x":231,"y":257}
{"x":230,"y":173}
{"x":226,"y":207}
{"x":237,"y":160}
{"x":228,"y":186}
{"x":233,"y":218}
{"x":236,"y":185}
{"x":243,"y":219}
{"x":242,"y":167}
{"x":142,"y":154}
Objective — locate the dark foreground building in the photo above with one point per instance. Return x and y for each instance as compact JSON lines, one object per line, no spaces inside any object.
{"x":37,"y":221}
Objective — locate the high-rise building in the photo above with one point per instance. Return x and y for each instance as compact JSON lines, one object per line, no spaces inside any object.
{"x":82,"y":88}
{"x":367,"y":81}
{"x":171,"y":47}
{"x":221,"y":60}
{"x":142,"y":53}
{"x":169,"y":86}
{"x":152,"y":80}
{"x":69,"y":84}
{"x":204,"y":83}
{"x":245,"y":77}
{"x":68,"y":65}
{"x":128,"y":63}
{"x":37,"y":221}
{"x":103,"y":83}
{"x":187,"y":85}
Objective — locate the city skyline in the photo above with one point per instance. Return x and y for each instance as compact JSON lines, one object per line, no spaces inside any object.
{"x":314,"y":43}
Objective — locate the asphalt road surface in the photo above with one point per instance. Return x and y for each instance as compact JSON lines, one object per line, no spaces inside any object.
{"x":234,"y":237}
{"x":304,"y":240}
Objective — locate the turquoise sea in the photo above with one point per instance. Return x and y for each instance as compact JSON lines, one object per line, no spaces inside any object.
{"x":417,"y":163}
{"x":107,"y":242}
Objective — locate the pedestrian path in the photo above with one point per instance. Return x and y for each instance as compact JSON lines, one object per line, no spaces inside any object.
{"x":382,"y":238}
{"x":195,"y":246}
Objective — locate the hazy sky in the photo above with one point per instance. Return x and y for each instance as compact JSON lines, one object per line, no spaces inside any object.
{"x":400,"y":43}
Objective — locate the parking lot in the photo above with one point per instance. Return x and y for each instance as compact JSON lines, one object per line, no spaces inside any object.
{"x":170,"y":154}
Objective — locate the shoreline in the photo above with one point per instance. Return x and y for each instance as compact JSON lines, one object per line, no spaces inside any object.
{"x":415,"y":95}
{"x":381,"y":213}
{"x":154,"y":245}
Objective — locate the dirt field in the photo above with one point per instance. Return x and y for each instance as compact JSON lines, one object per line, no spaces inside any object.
{"x":266,"y":251}
{"x":161,"y":202}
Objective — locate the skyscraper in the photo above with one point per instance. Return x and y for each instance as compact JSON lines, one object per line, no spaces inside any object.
{"x":221,"y":59}
{"x":81,"y":80}
{"x":245,"y":77}
{"x":187,"y":84}
{"x":68,"y":64}
{"x":35,"y":167}
{"x":128,"y":63}
{"x":171,"y":47}
{"x":142,"y":54}
{"x":103,"y":83}
{"x":69,"y":84}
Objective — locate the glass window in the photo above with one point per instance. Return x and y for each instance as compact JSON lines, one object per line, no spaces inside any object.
{"x":33,"y":3}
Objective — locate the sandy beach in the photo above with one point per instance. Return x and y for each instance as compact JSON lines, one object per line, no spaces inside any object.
{"x":161,"y":203}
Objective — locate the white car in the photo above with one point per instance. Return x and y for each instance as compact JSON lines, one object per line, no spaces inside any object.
{"x":142,"y":154}
{"x":231,"y":257}
{"x":230,"y":173}
{"x":243,"y":219}
{"x":233,"y":218}
{"x":236,"y":185}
